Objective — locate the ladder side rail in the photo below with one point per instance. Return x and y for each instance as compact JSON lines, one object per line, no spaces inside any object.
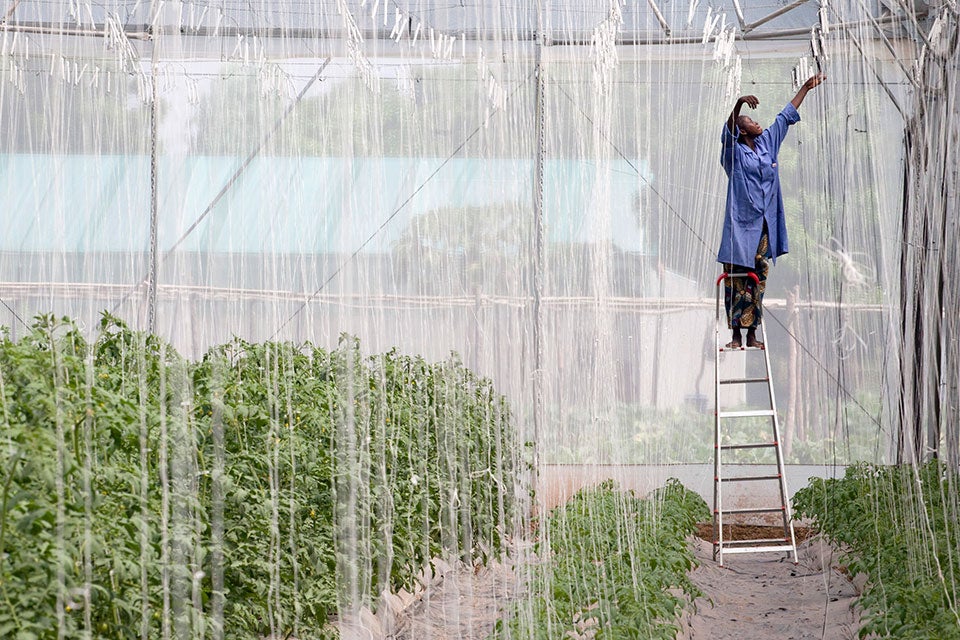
{"x":781,"y":469}
{"x":717,"y":477}
{"x":717,"y":498}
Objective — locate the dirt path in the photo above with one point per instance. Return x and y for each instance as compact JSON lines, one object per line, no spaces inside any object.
{"x":455,"y":602}
{"x":766,"y":597}
{"x":753,"y":597}
{"x":462,"y":604}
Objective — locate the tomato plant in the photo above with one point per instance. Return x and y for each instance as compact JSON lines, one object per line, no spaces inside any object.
{"x":611,"y":564}
{"x":900,"y":527}
{"x":257,"y":491}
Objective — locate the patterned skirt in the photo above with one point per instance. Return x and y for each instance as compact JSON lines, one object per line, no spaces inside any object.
{"x":742,"y":297}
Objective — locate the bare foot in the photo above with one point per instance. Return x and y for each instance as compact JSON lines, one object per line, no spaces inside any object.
{"x":752,"y":342}
{"x":736,"y":341}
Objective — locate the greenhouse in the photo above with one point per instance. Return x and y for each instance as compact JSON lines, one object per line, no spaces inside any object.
{"x":310,"y":304}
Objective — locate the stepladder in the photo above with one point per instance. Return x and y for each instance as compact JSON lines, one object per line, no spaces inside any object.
{"x":747,"y":444}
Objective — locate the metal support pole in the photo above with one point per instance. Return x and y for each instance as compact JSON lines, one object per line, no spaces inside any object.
{"x":154,"y":213}
{"x":538,"y":255}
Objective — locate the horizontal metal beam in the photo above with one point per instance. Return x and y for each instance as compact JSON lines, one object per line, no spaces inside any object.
{"x":779,"y":12}
{"x":58,"y":30}
{"x":689,"y":36}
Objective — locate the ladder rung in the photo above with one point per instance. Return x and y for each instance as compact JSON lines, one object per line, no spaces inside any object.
{"x":753,"y":510}
{"x":743,"y":380}
{"x":781,"y":547}
{"x":745,"y":478}
{"x":752,"y":445}
{"x":757,"y":541}
{"x":787,"y":542}
{"x":747,"y":414}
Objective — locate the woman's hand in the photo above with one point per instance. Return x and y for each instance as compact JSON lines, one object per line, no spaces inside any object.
{"x":742,"y":100}
{"x":814,"y":81}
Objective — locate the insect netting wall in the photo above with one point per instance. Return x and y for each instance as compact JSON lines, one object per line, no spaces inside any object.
{"x":293,"y":213}
{"x":207,"y":174}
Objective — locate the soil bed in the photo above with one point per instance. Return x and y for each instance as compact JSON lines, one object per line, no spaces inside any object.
{"x":752,"y":532}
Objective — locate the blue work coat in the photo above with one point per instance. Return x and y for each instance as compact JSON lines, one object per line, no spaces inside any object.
{"x":753,"y":192}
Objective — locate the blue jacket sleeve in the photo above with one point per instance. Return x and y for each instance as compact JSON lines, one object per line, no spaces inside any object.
{"x":728,"y":147}
{"x":777,"y":131}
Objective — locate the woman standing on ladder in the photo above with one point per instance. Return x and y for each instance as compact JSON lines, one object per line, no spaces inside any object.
{"x":754,"y":228}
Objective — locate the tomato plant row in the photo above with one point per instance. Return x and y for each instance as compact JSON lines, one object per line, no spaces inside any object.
{"x":900,"y":526}
{"x":254,"y":492}
{"x":612,"y":565}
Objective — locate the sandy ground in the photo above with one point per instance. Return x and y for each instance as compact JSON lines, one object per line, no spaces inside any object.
{"x":752,"y":597}
{"x":765,"y":596}
{"x":466,"y":605}
{"x":454,"y":602}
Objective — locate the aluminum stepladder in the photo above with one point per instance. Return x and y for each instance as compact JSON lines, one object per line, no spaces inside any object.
{"x":787,"y":543}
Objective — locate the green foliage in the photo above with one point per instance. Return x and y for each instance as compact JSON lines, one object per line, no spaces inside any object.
{"x":612,"y":564}
{"x":254,"y":492}
{"x":684,"y":434}
{"x":900,"y":526}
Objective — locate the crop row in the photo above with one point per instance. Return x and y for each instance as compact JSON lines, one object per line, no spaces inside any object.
{"x":900,"y":527}
{"x":611,"y":565}
{"x":257,"y":491}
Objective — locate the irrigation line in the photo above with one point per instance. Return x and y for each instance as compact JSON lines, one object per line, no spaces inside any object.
{"x":227,"y":186}
{"x":399,"y":208}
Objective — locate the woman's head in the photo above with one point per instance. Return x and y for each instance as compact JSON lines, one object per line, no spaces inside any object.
{"x":748,"y":127}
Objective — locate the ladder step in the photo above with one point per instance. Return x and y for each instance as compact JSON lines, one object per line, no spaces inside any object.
{"x":752,"y":445}
{"x":747,"y":478}
{"x":757,"y":542}
{"x":753,"y":375}
{"x":748,"y":414}
{"x":753,"y":510}
{"x":743,"y":380}
{"x":781,"y":547}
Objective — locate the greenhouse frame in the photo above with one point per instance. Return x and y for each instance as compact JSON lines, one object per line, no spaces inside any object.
{"x":527,"y":190}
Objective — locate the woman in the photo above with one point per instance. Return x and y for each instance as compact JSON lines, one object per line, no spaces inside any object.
{"x":754,"y":228}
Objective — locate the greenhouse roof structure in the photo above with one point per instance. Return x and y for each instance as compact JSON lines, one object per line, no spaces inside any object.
{"x":559,"y":22}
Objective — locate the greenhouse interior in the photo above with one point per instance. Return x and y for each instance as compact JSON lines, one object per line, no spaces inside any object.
{"x":316,"y":312}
